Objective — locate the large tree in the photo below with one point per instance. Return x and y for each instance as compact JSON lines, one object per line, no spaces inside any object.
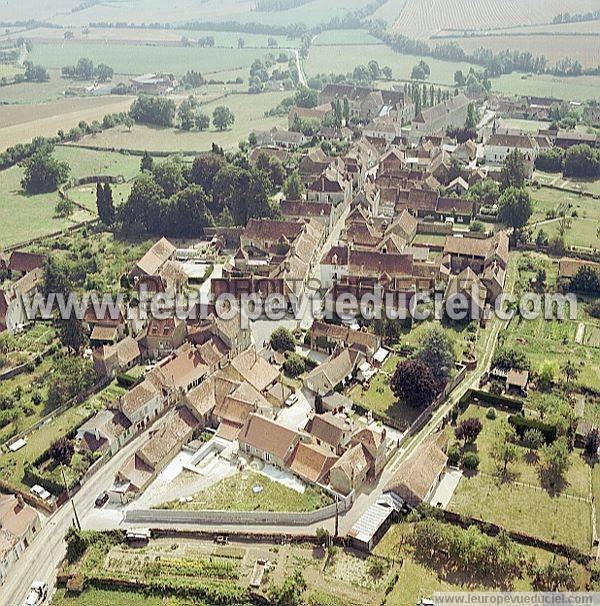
{"x":43,"y":173}
{"x":515,"y":207}
{"x":437,"y":352}
{"x":223,"y":118}
{"x":142,"y":210}
{"x":186,"y":213}
{"x":293,"y":188}
{"x":414,"y":383}
{"x":205,"y":168}
{"x":282,"y":339}
{"x":468,"y":430}
{"x":169,"y":175}
{"x":514,"y":173}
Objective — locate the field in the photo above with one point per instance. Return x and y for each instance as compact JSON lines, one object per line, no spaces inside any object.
{"x":523,"y":504}
{"x":139,"y":59}
{"x":101,"y":597}
{"x":340,"y":37}
{"x":424,"y":18}
{"x":24,"y":217}
{"x":249,"y":113}
{"x":343,"y":58}
{"x":582,"y":48}
{"x":581,"y":88}
{"x":21,"y":123}
{"x":237,"y":493}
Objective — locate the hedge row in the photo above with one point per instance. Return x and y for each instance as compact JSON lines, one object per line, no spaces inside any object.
{"x":523,"y":424}
{"x":127,"y":381}
{"x":513,"y":404}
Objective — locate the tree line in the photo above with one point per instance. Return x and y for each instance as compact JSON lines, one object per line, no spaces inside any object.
{"x":85,"y":69}
{"x":578,"y":161}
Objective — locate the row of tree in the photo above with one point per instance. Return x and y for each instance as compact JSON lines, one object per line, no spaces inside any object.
{"x":578,"y":161}
{"x":85,"y":69}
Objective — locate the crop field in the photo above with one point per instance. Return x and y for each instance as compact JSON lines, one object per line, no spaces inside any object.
{"x":21,"y":123}
{"x":157,"y":36}
{"x":339,"y":37}
{"x":585,"y":49}
{"x":25,"y":216}
{"x":344,"y":58}
{"x":424,"y":18}
{"x":37,"y":92}
{"x":138,"y":59}
{"x":249,"y":115}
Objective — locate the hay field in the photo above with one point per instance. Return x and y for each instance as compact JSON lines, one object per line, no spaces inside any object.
{"x":586,"y":49}
{"x":424,"y":18}
{"x":21,"y":123}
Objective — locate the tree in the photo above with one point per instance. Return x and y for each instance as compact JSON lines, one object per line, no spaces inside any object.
{"x":293,"y":188}
{"x":147,"y":162}
{"x":513,"y":171}
{"x":586,"y":281}
{"x":515,"y":207}
{"x":554,"y":576}
{"x":185,"y":113}
{"x":169,"y":175}
{"x":289,"y":593}
{"x":533,"y":439}
{"x":556,"y":458}
{"x":306,"y":97}
{"x":414,"y":383}
{"x":509,"y":357}
{"x":143,"y":206}
{"x":64,"y":207}
{"x":62,"y":450}
{"x":153,"y":110}
{"x":71,"y":334}
{"x":104,"y":73}
{"x":205,"y":168}
{"x":485,"y":193}
{"x":105,"y":204}
{"x":581,"y":161}
{"x":542,"y":238}
{"x":546,"y":376}
{"x":282,"y":339}
{"x":472,"y":117}
{"x":437,"y":352}
{"x":43,"y":173}
{"x":503,"y":450}
{"x":186,"y":213}
{"x":202,"y":121}
{"x":223,"y":118}
{"x":294,"y":365}
{"x":592,"y":443}
{"x":468,"y":430}
{"x":570,"y":371}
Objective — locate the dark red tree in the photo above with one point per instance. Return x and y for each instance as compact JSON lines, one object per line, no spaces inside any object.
{"x":468,"y":430}
{"x":62,"y":451}
{"x":414,"y":383}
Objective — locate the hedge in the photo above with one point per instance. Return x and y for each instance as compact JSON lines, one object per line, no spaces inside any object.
{"x":523,"y":424}
{"x":127,"y":381}
{"x":513,"y":404}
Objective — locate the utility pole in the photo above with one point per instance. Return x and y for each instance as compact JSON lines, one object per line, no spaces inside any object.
{"x":77,"y":523}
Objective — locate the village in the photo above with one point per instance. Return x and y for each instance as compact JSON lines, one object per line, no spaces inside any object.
{"x":315,"y":426}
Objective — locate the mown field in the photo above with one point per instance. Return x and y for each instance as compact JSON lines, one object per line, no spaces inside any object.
{"x":127,"y":59}
{"x":343,"y":58}
{"x":581,"y":88}
{"x":249,"y":115}
{"x":25,"y":216}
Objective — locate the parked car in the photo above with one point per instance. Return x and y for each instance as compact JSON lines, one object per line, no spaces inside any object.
{"x":102,"y":500}
{"x":293,"y":399}
{"x":40,"y":492}
{"x":38,"y":594}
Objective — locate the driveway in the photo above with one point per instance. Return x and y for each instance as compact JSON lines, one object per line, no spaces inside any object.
{"x":296,"y":416}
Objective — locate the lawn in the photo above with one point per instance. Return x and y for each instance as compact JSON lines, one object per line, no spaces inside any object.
{"x":343,"y":58}
{"x":249,"y":112}
{"x":237,"y":494}
{"x":24,"y":216}
{"x":525,"y":509}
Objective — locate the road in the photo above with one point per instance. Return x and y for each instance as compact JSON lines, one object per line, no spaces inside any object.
{"x":40,"y":560}
{"x":301,"y":76}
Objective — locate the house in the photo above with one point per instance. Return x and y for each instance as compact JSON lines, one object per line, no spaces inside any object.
{"x":109,"y":360}
{"x":154,"y":84}
{"x":499,"y":146}
{"x":151,"y":263}
{"x":317,"y":114}
{"x":566,"y":139}
{"x":313,"y":164}
{"x":466,"y":152}
{"x":312,"y":463}
{"x":330,"y":432}
{"x":106,"y":432}
{"x":331,"y":187}
{"x":336,"y":372}
{"x":254,"y":369}
{"x":13,"y":310}
{"x":457,"y":186}
{"x":418,"y":477}
{"x":472,"y":290}
{"x":21,"y":263}
{"x":517,"y":381}
{"x":568,"y":268}
{"x":297,"y":210}
{"x":271,"y":152}
{"x":163,"y":336}
{"x":328,"y":337}
{"x":267,"y":440}
{"x":374,"y":439}
{"x":350,"y":471}
{"x":280,"y":137}
{"x":452,"y":112}
{"x":142,"y":404}
{"x":146,"y":463}
{"x":19,"y":523}
{"x":383,"y":128}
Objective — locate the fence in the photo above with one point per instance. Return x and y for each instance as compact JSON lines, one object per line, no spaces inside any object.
{"x":234,"y":518}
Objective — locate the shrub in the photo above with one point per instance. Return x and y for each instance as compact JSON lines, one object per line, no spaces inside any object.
{"x":454,"y":455}
{"x":523,"y":424}
{"x":470,"y":460}
{"x":491,"y":414}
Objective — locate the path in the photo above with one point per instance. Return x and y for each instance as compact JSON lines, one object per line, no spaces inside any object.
{"x":301,"y":76}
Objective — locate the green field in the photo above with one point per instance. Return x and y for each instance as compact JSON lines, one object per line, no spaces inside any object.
{"x":29,"y":216}
{"x":581,"y":88}
{"x":343,"y":58}
{"x":249,"y":115}
{"x":127,"y":59}
{"x":339,"y":37}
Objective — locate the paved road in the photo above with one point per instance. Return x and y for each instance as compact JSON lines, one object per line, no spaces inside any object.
{"x":40,"y":560}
